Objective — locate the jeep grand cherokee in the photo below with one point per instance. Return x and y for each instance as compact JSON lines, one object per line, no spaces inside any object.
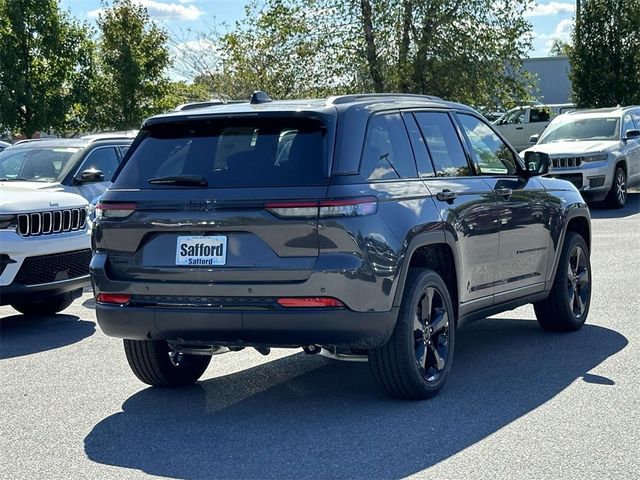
{"x":371,"y":225}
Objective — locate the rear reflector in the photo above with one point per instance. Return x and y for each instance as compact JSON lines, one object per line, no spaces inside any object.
{"x":114,"y":298}
{"x":114,"y":210}
{"x":347,"y":207}
{"x":306,"y":302}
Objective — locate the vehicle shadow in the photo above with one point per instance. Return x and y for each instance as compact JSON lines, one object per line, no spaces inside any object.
{"x":632,"y":207}
{"x":304,"y":415}
{"x":23,"y":335}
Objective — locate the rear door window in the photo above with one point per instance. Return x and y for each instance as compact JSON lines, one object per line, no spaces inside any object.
{"x":252,"y":152}
{"x":443,"y":144}
{"x":387,"y":153}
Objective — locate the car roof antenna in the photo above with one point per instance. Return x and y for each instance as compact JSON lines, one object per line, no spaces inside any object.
{"x":259,"y":97}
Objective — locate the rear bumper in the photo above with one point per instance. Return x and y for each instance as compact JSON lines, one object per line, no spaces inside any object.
{"x":285,"y":328}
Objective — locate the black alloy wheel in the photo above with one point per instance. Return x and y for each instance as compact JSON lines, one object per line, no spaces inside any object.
{"x":416,"y":360}
{"x":431,"y":334}
{"x":567,"y":307}
{"x":578,"y":281}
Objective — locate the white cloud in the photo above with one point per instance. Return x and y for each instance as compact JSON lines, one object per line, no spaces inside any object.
{"x":551,"y":8}
{"x":171,"y":11}
{"x":166,"y":11}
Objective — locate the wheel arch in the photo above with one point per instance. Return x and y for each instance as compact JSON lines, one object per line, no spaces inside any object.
{"x":437,"y":251}
{"x":577,"y":220}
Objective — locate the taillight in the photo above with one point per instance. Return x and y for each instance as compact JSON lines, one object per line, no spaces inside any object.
{"x":346,"y":207}
{"x":113,"y":298}
{"x":349,"y":207}
{"x":293,"y":209}
{"x":310,"y":302}
{"x":114,"y":210}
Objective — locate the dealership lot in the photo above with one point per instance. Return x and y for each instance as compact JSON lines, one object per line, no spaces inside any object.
{"x":520,"y":403}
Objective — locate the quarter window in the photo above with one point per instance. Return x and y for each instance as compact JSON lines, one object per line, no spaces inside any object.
{"x":492,"y":155}
{"x":387,"y":152}
{"x":443,"y":143}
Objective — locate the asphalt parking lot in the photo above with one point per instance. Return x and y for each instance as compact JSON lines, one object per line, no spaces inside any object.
{"x":520,"y":403}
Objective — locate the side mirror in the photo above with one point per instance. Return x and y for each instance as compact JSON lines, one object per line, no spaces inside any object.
{"x":631,"y":134}
{"x":537,"y":163}
{"x":90,"y":175}
{"x":534,"y":138}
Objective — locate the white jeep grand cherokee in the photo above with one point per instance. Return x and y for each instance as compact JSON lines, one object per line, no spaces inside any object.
{"x":44,"y":249}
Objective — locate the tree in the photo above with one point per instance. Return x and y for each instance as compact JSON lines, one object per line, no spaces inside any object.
{"x":605,"y":59}
{"x":45,"y":62}
{"x":467,"y":51}
{"x":134,"y":57}
{"x":559,"y":48}
{"x":295,"y":48}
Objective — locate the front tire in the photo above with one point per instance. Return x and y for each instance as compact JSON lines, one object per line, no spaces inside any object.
{"x":567,"y":307}
{"x":617,"y":196}
{"x":416,"y":360}
{"x":48,"y":306}
{"x":155,"y":363}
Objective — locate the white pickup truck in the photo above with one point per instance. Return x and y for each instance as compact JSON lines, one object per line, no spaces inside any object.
{"x":520,"y":123}
{"x":45,"y":249}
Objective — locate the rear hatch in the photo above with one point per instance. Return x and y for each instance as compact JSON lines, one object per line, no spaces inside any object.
{"x":224,"y":200}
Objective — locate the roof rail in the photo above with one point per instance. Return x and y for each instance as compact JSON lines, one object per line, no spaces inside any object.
{"x":342,"y":99}
{"x":28,"y":140}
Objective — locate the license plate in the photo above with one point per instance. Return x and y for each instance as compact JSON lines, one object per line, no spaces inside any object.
{"x":201,"y":251}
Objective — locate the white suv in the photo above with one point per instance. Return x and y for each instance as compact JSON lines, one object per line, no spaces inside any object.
{"x":44,"y":249}
{"x":520,"y":123}
{"x":596,"y":150}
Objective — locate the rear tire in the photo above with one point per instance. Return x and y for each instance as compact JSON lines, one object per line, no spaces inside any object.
{"x":48,"y":306}
{"x":617,"y":196}
{"x":156,"y":363}
{"x":567,"y":307}
{"x":416,"y":360}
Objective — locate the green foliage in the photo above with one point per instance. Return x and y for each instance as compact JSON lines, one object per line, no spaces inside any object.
{"x":298,"y":48}
{"x":559,"y":48}
{"x":465,"y":51}
{"x":605,"y":58}
{"x":45,"y":64}
{"x":134,"y":57}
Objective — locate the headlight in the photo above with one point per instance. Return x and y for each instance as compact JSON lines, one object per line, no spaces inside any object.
{"x":7,"y":221}
{"x":600,"y":157}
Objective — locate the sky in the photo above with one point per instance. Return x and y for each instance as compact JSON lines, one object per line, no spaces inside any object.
{"x":550,"y":19}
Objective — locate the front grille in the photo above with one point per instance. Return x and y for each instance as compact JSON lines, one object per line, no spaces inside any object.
{"x":567,"y":162}
{"x":54,"y":268}
{"x":46,"y":223}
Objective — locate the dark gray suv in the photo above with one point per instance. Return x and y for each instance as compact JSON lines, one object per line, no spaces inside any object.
{"x":360,"y":226}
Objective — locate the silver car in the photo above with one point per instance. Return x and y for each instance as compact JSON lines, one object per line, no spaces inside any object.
{"x":83,"y":166}
{"x":596,"y":150}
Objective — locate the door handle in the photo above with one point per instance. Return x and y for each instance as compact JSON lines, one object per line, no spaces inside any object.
{"x":446,"y":195}
{"x":519,"y":128}
{"x":504,"y":192}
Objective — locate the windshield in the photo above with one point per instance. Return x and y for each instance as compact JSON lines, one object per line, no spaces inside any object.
{"x":581,"y":129}
{"x":45,"y":164}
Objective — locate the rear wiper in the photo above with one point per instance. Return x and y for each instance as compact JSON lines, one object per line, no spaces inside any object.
{"x":186,"y":180}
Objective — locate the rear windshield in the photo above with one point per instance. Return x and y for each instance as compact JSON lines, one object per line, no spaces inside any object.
{"x":252,"y":152}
